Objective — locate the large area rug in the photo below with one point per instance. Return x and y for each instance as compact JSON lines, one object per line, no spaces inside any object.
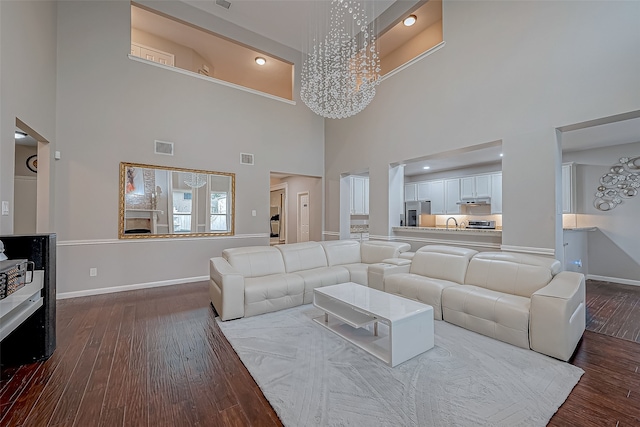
{"x":313,"y":377}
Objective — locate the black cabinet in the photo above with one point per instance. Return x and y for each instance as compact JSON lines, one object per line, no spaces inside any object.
{"x":34,"y":338}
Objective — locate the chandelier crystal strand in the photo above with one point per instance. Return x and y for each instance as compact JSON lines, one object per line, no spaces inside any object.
{"x":195,"y":180}
{"x":342,"y":66}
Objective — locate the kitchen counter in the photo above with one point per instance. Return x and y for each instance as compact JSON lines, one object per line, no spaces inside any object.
{"x":580,"y":229}
{"x":451,"y":230}
{"x":359,"y":229}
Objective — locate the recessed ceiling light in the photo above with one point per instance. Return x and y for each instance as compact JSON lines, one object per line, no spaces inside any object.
{"x":20,"y":135}
{"x":426,"y":167}
{"x":501,"y":154}
{"x":260,"y":60}
{"x":410,"y":20}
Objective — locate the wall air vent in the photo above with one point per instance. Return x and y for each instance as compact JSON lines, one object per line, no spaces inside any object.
{"x":223,"y":3}
{"x":163,"y":147}
{"x":246,"y":159}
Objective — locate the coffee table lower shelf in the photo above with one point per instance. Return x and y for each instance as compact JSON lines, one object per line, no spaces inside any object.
{"x":405,"y":331}
{"x":364,"y":337}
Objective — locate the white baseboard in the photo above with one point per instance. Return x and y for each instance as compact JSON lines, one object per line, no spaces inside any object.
{"x":614,"y":280}
{"x":100,"y":291}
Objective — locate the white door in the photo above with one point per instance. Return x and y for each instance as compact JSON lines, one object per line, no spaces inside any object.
{"x":303,"y":217}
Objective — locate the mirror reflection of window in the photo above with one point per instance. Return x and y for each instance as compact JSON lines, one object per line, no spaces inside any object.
{"x":174,"y":202}
{"x":218,"y":211}
{"x":182,"y":208}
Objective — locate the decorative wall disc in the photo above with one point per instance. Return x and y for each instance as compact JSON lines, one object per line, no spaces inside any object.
{"x":621,"y":182}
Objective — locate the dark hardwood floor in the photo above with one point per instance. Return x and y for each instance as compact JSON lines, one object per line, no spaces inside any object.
{"x":156,"y":357}
{"x":613,"y":309}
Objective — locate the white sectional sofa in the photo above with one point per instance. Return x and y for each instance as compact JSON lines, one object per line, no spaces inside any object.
{"x":524,"y":300}
{"x":260,"y":279}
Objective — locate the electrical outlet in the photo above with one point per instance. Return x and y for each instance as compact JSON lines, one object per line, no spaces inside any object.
{"x":5,"y":208}
{"x":253,"y":213}
{"x":93,"y":272}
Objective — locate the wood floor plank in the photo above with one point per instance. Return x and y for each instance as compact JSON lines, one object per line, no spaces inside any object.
{"x":156,"y":357}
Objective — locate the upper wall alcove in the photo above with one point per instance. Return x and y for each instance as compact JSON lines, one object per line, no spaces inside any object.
{"x":158,"y":37}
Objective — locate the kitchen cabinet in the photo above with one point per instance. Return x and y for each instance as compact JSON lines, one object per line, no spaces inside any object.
{"x":436,"y":193}
{"x":496,"y":193}
{"x":568,"y":184}
{"x":359,"y":195}
{"x":410,"y":192}
{"x":452,"y":196}
{"x":473,"y":187}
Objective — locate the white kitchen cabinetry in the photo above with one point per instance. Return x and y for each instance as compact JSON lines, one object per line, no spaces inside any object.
{"x":478,"y":186}
{"x":568,"y":193}
{"x":359,"y":195}
{"x":424,"y":191}
{"x":366,"y":196}
{"x":436,"y":197}
{"x":496,"y":193}
{"x":410,"y":192}
{"x":452,"y":196}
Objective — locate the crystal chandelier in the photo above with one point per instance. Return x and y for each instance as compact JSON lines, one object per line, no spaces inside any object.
{"x":195,"y":180}
{"x":342,"y":66}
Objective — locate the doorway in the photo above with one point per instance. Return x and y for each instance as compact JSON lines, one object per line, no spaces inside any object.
{"x":303,"y":217}
{"x":31,"y":181}
{"x":278,"y":214}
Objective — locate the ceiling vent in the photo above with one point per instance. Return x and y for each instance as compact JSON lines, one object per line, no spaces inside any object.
{"x":246,"y":159}
{"x":162,"y":147}
{"x":223,"y":3}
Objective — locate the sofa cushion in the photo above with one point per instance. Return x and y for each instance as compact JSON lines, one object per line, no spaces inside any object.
{"x":375,"y":251}
{"x":498,"y":315}
{"x":255,"y":261}
{"x":511,"y":273}
{"x":442,"y":262}
{"x":302,"y":256}
{"x":424,"y":289}
{"x":272,"y":293}
{"x":358,"y":273}
{"x":341,"y":252}
{"x":324,"y":276}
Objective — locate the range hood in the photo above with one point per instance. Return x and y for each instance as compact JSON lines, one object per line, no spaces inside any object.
{"x":475,"y":202}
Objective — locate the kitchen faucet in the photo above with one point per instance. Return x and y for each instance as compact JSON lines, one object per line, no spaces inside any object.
{"x":454,"y":220}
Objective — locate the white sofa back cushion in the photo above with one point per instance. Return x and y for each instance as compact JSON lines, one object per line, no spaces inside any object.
{"x":511,"y":273}
{"x":340,"y":252}
{"x":255,"y":261}
{"x":302,"y":256}
{"x":376,"y":251}
{"x":442,"y":262}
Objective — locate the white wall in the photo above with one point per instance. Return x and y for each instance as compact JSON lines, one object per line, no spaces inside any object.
{"x":510,"y":71}
{"x":613,"y":249}
{"x":111,"y":109}
{"x":27,"y":83}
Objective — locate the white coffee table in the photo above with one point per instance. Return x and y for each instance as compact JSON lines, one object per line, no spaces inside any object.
{"x":353,"y":311}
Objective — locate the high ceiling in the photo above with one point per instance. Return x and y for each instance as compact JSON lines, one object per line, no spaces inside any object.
{"x":285,"y":21}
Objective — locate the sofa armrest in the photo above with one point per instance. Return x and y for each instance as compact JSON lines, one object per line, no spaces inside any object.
{"x":377,"y":272}
{"x":557,"y":317}
{"x":226,"y":289}
{"x":397,"y":261}
{"x":407,"y":255}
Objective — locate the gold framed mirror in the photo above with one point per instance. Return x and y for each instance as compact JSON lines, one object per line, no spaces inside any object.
{"x":162,"y":201}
